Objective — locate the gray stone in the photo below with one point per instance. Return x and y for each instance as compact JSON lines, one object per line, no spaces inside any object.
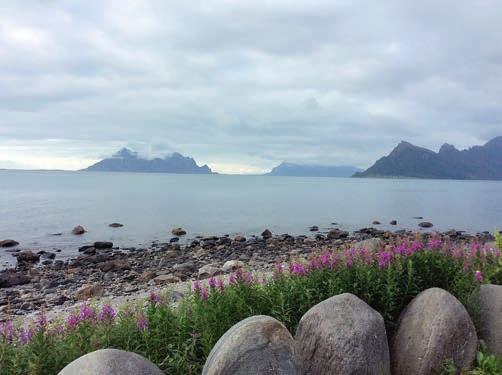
{"x":257,"y":345}
{"x":78,"y":230}
{"x":343,"y":335}
{"x":8,"y":243}
{"x":425,"y":224}
{"x":111,"y":362}
{"x":266,"y":234}
{"x":232,"y":265}
{"x":116,"y":225}
{"x":103,"y":245}
{"x":371,"y":244}
{"x":178,"y":232}
{"x":490,"y":317}
{"x":434,"y":328}
{"x":208,"y":270}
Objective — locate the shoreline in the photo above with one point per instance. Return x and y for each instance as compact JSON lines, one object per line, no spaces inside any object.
{"x":104,"y":272}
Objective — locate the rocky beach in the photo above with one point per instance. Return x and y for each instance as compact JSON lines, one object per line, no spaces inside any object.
{"x":41,"y":281}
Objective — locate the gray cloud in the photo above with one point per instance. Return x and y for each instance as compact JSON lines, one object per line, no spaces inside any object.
{"x":247,"y":83}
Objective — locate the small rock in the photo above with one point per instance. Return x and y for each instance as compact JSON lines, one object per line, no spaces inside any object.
{"x":257,"y":345}
{"x":314,"y":228}
{"x":266,"y":234}
{"x":28,"y":257}
{"x":89,"y":291}
{"x":490,"y":317}
{"x":434,"y":327}
{"x":232,"y":265}
{"x":8,"y":279}
{"x":115,"y":265}
{"x":101,"y":245}
{"x":116,"y":225}
{"x":343,"y":335}
{"x":78,"y":230}
{"x":393,"y":222}
{"x":111,"y":361}
{"x":174,"y":240}
{"x":376,"y":222}
{"x":178,"y":232}
{"x":240,"y":238}
{"x":425,"y":224}
{"x":147,"y":275}
{"x":208,"y":270}
{"x":336,"y":234}
{"x":8,"y":243}
{"x":166,"y":279}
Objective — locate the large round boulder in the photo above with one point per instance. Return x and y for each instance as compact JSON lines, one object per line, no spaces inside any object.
{"x":257,"y":345}
{"x":8,"y":243}
{"x":111,"y":362}
{"x":343,"y":335}
{"x":490,"y":317}
{"x":78,"y":230}
{"x":433,"y":329}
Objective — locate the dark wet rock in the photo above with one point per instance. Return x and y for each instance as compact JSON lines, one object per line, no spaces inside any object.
{"x":9,"y":279}
{"x":418,"y":217}
{"x":111,"y":361}
{"x":425,"y":224}
{"x":174,"y":240}
{"x":78,"y":230}
{"x":8,"y":243}
{"x":56,"y":234}
{"x":115,"y":265}
{"x":336,"y":234}
{"x":178,"y":232}
{"x":101,"y":245}
{"x":434,"y":327}
{"x":343,"y":335}
{"x":376,"y":222}
{"x":27,"y":257}
{"x":240,"y":238}
{"x":314,"y":228}
{"x":116,"y":225}
{"x":47,"y":255}
{"x":257,"y":345}
{"x":266,"y":234}
{"x":393,"y":222}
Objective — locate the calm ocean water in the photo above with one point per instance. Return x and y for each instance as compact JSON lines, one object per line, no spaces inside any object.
{"x":33,"y":205}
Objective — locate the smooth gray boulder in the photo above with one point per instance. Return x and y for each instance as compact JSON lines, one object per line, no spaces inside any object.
{"x":257,"y":345}
{"x":490,"y":317}
{"x":111,"y":362}
{"x":434,"y":328}
{"x":343,"y":335}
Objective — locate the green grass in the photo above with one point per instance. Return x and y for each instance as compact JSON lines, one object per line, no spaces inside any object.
{"x":179,"y":339}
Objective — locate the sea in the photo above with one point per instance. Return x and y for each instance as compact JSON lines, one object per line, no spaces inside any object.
{"x":39,"y":209}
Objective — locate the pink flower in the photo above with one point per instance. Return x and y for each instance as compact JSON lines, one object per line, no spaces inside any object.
{"x":204,"y":294}
{"x":142,"y":323}
{"x":479,"y":276}
{"x":107,"y":313}
{"x":384,"y":259}
{"x":435,"y":243}
{"x":220,"y":284}
{"x":155,"y":298}
{"x":212,"y":282}
{"x":196,"y":286}
{"x":326,"y":259}
{"x":298,"y":269}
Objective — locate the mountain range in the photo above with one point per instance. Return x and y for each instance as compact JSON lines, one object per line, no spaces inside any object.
{"x":407,"y":160}
{"x":126,"y":160}
{"x":306,"y":170}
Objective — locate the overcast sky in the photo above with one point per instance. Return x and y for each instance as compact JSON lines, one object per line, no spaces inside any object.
{"x":244,"y":85}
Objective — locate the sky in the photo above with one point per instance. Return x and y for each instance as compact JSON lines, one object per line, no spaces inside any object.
{"x":244,"y":85}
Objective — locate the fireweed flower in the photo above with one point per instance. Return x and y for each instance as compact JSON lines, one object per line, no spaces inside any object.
{"x":298,"y":269}
{"x":23,"y":336}
{"x":326,"y":259}
{"x":204,"y":294}
{"x":142,"y":323}
{"x":232,"y":279}
{"x":479,"y":276}
{"x":435,"y":243}
{"x":7,"y":330}
{"x":196,"y":286}
{"x":384,"y":259}
{"x":212,"y":282}
{"x":278,"y":269}
{"x":107,"y":313}
{"x":220,"y":284}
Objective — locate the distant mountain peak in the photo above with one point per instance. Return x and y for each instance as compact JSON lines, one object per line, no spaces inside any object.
{"x":126,"y":160}
{"x":125,"y":153}
{"x":407,"y":160}
{"x":447,"y":148}
{"x":311,"y":170}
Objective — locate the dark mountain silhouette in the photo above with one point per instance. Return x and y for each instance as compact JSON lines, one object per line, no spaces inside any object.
{"x":128,"y":161}
{"x":406,"y":160}
{"x":301,"y":170}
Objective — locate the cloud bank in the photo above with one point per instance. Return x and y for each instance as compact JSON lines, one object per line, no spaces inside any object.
{"x":243,"y":85}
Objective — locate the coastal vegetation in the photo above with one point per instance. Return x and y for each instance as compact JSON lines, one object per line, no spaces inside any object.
{"x":179,"y":338}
